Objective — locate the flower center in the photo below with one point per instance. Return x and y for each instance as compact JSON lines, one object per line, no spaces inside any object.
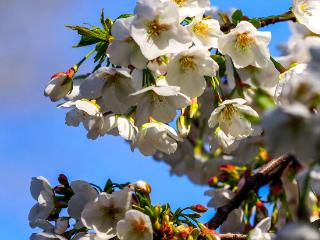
{"x":155,"y":28}
{"x":243,"y":40}
{"x":305,"y":8}
{"x":228,"y":111}
{"x":187,"y":63}
{"x":158,"y":99}
{"x":201,"y":29}
{"x":139,"y":226}
{"x":180,"y":2}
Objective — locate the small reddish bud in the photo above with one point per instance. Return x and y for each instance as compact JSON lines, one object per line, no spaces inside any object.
{"x":199,"y":208}
{"x":63,"y":180}
{"x":213,"y":181}
{"x":259,"y":204}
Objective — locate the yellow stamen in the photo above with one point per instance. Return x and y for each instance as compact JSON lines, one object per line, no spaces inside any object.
{"x":180,"y":2}
{"x":201,"y":29}
{"x":155,"y":28}
{"x":243,"y":40}
{"x":187,"y":63}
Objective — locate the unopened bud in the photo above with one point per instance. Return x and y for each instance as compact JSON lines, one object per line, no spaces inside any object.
{"x":199,"y":208}
{"x":141,"y":186}
{"x":183,"y":126}
{"x":213,"y":181}
{"x":63,"y":180}
{"x":60,"y":85}
{"x":193,"y":107}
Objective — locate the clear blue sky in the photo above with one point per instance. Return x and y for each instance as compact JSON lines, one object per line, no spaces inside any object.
{"x":33,"y":138}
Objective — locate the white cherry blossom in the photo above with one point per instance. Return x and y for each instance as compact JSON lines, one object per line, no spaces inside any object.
{"x":135,"y":226}
{"x":42,"y":192}
{"x":156,"y":29}
{"x":191,"y":8}
{"x":103,"y":214}
{"x":86,"y":112}
{"x":188,"y":68}
{"x":119,"y":125}
{"x":231,"y":118}
{"x":298,"y":231}
{"x":307,"y":13}
{"x":123,"y":50}
{"x":261,"y":231}
{"x":114,"y":85}
{"x":205,"y":32}
{"x":155,"y":137}
{"x":159,"y":102}
{"x":83,"y":193}
{"x":246,"y":45}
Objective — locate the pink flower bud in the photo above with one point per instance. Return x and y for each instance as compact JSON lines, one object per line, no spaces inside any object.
{"x":59,"y":86}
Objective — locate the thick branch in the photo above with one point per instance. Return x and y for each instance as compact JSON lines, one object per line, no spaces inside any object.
{"x":231,"y":236}
{"x":270,"y":171}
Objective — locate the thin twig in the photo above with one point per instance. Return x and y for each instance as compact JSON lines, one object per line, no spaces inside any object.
{"x":270,"y":171}
{"x":231,"y":236}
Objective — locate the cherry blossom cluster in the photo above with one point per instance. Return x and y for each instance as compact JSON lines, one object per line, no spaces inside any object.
{"x":197,"y":88}
{"x":83,"y":211}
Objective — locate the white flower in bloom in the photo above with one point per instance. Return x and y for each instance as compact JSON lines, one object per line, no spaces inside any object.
{"x":83,"y":193}
{"x":124,"y":51}
{"x":119,"y":125}
{"x":219,"y":197}
{"x":42,"y":192}
{"x":159,"y":102}
{"x":261,"y":231}
{"x":50,"y":231}
{"x":297,"y":86}
{"x":231,"y":118}
{"x":246,"y":45}
{"x":266,"y":77}
{"x":59,"y":86}
{"x":191,"y":8}
{"x":87,"y":112}
{"x":227,"y":142}
{"x":298,"y":231}
{"x":188,"y":68}
{"x":307,"y":13}
{"x":155,"y":137}
{"x":114,"y":85}
{"x":205,"y":32}
{"x":103,"y":214}
{"x":156,"y":29}
{"x":135,"y":226}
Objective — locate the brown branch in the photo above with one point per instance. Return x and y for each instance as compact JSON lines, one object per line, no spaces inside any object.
{"x":270,"y":171}
{"x":231,"y":236}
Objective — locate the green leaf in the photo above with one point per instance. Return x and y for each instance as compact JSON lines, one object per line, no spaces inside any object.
{"x":108,"y":186}
{"x":126,"y":15}
{"x":237,"y":16}
{"x":89,"y":36}
{"x":103,"y":22}
{"x":101,"y":49}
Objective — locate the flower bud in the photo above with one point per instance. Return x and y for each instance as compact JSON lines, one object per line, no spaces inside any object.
{"x":62,"y":224}
{"x":63,"y":180}
{"x":59,"y":86}
{"x":141,"y":186}
{"x":193,"y":107}
{"x":213,"y":181}
{"x":183,"y":126}
{"x":199,"y":208}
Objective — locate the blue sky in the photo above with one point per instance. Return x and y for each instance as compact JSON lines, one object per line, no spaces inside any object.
{"x":33,"y":138}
